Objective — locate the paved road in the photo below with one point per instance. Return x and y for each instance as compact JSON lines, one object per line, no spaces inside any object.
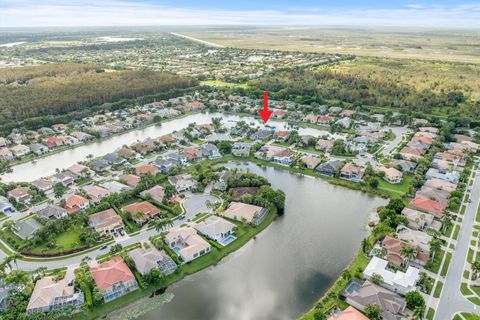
{"x":451,"y":299}
{"x":195,"y":204}
{"x":399,"y":132}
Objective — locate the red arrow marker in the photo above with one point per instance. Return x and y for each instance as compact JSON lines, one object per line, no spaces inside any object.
{"x":265,"y":113}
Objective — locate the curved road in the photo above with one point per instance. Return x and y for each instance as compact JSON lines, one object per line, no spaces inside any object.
{"x":193,"y":204}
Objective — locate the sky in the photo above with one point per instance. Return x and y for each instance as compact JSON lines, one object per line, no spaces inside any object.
{"x":71,"y":13}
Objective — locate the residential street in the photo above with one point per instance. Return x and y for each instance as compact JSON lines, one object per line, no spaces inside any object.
{"x":451,"y":299}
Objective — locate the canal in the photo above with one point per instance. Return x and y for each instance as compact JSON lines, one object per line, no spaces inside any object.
{"x":48,"y":165}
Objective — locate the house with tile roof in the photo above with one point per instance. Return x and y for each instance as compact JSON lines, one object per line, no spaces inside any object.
{"x":131,"y":180}
{"x":187,"y":244}
{"x":393,"y":247}
{"x":107,"y":221}
{"x":392,"y":305}
{"x":141,"y":211}
{"x":49,"y":295}
{"x":75,"y":203}
{"x":151,"y":258}
{"x":157,"y":193}
{"x":113,"y":278}
{"x":96,"y":193}
{"x":440,"y":184}
{"x":427,"y":205}
{"x":350,"y":313}
{"x":215,"y":228}
{"x":245,"y":212}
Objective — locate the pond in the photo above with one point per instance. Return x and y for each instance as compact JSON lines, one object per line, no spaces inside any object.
{"x":283,"y":271}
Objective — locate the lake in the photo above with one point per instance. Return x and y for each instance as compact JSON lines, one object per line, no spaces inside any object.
{"x":283,"y":271}
{"x":47,"y":165}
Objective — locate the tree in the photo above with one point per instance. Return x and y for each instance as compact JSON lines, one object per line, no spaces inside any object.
{"x":414,"y":300}
{"x":376,"y":279}
{"x":373,"y":182}
{"x":373,"y":312}
{"x":435,"y":246}
{"x":475,"y":268}
{"x":408,"y":253}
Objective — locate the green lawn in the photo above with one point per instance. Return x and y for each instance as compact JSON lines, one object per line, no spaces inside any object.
{"x":399,"y":189}
{"x":464,"y":289}
{"x":220,"y":83}
{"x":430,"y":314}
{"x":446,"y":264}
{"x":438,"y":289}
{"x":455,"y":232}
{"x":67,"y":240}
{"x":435,"y":266}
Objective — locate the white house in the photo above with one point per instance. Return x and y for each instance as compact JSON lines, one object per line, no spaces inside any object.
{"x":399,"y":282}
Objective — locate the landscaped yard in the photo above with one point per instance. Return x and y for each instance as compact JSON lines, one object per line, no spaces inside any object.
{"x":396,"y":190}
{"x":435,"y":265}
{"x":438,"y":289}
{"x":67,"y":240}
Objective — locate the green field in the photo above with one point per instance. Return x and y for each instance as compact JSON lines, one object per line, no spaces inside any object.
{"x":396,"y":190}
{"x":67,"y":240}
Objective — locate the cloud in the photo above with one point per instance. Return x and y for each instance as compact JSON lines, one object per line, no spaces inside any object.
{"x":27,"y":13}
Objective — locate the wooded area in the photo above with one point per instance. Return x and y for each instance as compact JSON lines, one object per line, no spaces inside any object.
{"x":65,"y":87}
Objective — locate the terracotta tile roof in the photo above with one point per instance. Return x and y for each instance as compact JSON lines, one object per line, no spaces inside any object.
{"x":349,"y":314}
{"x":111,"y":272}
{"x":427,"y":205}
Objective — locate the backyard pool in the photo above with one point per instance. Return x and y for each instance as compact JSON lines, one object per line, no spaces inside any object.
{"x":229,"y":239}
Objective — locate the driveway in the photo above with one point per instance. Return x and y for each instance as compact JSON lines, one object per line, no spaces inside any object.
{"x":197,"y":203}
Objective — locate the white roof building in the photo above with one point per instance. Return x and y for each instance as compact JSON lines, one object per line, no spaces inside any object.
{"x":399,"y":282}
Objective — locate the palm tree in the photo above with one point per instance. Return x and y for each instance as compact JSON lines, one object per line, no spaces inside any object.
{"x":418,"y":312}
{"x":435,"y":246}
{"x":476,"y":268}
{"x":408,"y":253}
{"x":159,"y":224}
{"x":15,"y":258}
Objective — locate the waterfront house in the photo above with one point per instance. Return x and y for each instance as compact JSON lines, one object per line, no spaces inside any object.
{"x":6,"y":154}
{"x":80,"y":171}
{"x":20,"y":150}
{"x":113,"y":278}
{"x":391,"y":175}
{"x":352,"y":172}
{"x":20,"y":194}
{"x":245,"y":212}
{"x":391,"y":304}
{"x":182,"y":182}
{"x":49,"y":295}
{"x":65,"y":179}
{"x":52,"y":211}
{"x":350,"y":313}
{"x":215,"y":137}
{"x":141,"y":211}
{"x":330,"y":168}
{"x":420,"y":239}
{"x":418,"y":220}
{"x":96,"y":193}
{"x":261,"y":135}
{"x":114,"y":158}
{"x":106,"y":221}
{"x":284,"y":156}
{"x":187,"y":244}
{"x":44,"y":185}
{"x":404,"y":165}
{"x":99,"y":165}
{"x":38,"y":148}
{"x":396,"y":281}
{"x":157,"y":193}
{"x":427,"y":205}
{"x":241,"y":149}
{"x":310,"y":161}
{"x":148,"y":259}
{"x":393,"y":248}
{"x":26,"y":229}
{"x":215,"y":228}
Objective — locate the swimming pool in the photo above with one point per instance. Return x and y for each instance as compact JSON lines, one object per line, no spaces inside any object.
{"x":177,"y":250}
{"x":228,"y":239}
